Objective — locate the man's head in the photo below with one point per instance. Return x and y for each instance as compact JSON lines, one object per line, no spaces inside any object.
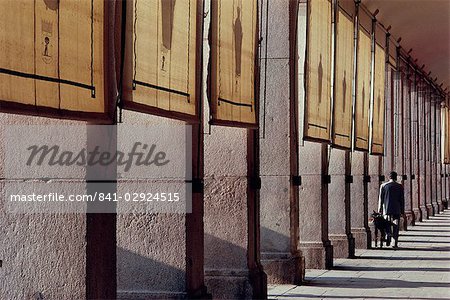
{"x":393,"y":175}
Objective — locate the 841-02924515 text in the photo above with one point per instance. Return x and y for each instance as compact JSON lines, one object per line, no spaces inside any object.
{"x":97,"y":196}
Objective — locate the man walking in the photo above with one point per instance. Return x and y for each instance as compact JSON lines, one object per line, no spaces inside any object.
{"x":392,"y":205}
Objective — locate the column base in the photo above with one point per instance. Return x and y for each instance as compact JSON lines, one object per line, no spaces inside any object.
{"x":434,"y":205}
{"x":424,"y":212}
{"x":343,"y":245}
{"x":410,"y":218}
{"x":445,"y":203}
{"x":363,"y":238}
{"x":441,"y":207}
{"x":235,"y":284}
{"x":318,"y":255}
{"x":283,"y":268}
{"x":430,"y":210}
{"x":417,"y":215}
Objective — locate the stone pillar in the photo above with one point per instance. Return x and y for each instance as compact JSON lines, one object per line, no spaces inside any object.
{"x":314,"y":243}
{"x":359,"y":226}
{"x":389,"y":132}
{"x":42,"y":255}
{"x":399,"y":128}
{"x":447,"y":185}
{"x":160,"y":255}
{"x":434,"y":191}
{"x":428,"y":158}
{"x":232,"y":210}
{"x":279,"y":141}
{"x":415,"y":150}
{"x":229,"y":223}
{"x":406,"y":172}
{"x":339,"y":205}
{"x":373,"y":187}
{"x":439,"y":182}
{"x":422,"y":153}
{"x":313,"y":207}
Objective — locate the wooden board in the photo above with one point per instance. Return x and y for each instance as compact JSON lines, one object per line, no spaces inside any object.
{"x":378,"y":104}
{"x":342,"y":110}
{"x":54,"y":51}
{"x":362,"y":108}
{"x":446,"y":135}
{"x":392,"y":52}
{"x":233,"y":62}
{"x":161,"y":57}
{"x":318,"y":72}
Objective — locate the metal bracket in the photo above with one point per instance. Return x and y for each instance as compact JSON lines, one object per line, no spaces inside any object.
{"x":198,"y":185}
{"x":296,"y":180}
{"x":348,"y":178}
{"x":381,"y":178}
{"x":326,"y":179}
{"x":413,"y":176}
{"x":255,"y":183}
{"x":404,"y":177}
{"x":367,"y":178}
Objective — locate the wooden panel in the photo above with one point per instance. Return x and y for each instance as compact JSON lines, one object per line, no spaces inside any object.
{"x":161,"y":51}
{"x":17,"y":50}
{"x":378,"y":107}
{"x":233,"y":53}
{"x":342,"y":110}
{"x":446,"y":135}
{"x":362,"y":109}
{"x":318,"y":68}
{"x":392,"y":52}
{"x":53,"y":50}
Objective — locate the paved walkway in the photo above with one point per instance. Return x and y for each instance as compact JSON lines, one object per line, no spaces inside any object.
{"x":419,"y":269}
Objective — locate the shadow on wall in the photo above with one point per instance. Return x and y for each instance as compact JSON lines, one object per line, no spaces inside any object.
{"x":272,"y":241}
{"x":139,"y":273}
{"x":143,"y":274}
{"x":221,"y":254}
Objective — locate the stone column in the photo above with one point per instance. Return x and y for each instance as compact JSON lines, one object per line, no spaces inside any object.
{"x":232,"y":269}
{"x":406,"y":173}
{"x":447,"y":185}
{"x":422,"y":153}
{"x":160,"y":254}
{"x":313,"y":207}
{"x":415,"y":150}
{"x":42,"y":255}
{"x":359,"y":227}
{"x":439,"y":187}
{"x":389,"y":132}
{"x":232,"y":210}
{"x":434,"y":191}
{"x":428,"y":159}
{"x":279,"y":141}
{"x":399,"y":128}
{"x":373,"y":187}
{"x":339,"y":205}
{"x":314,"y":243}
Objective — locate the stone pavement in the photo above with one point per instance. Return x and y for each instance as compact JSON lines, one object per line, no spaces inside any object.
{"x":419,"y":269}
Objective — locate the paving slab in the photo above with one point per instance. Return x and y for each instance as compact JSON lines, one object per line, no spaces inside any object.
{"x":419,"y":269}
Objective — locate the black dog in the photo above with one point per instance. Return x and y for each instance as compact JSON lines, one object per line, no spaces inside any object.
{"x":381,"y":224}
